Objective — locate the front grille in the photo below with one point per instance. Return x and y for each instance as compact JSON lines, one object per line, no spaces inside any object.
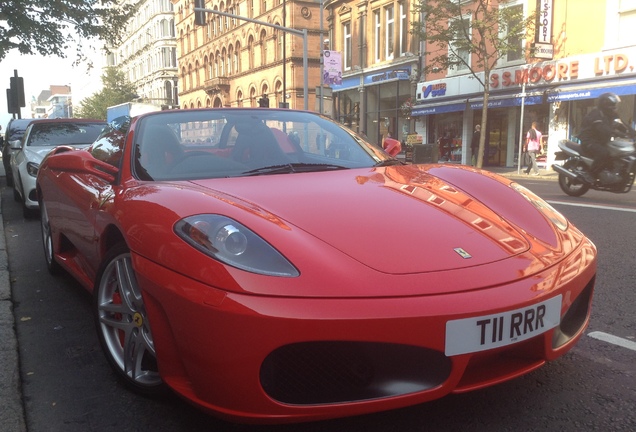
{"x":339,"y":371}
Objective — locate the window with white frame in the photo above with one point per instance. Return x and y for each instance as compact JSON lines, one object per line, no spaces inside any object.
{"x":377,"y":36}
{"x":346,"y":45}
{"x":620,"y":19}
{"x":404,"y":29}
{"x":458,"y":48}
{"x":515,"y":40}
{"x":390,"y":32}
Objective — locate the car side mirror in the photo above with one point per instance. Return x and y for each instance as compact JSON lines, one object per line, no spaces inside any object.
{"x":15,"y":144}
{"x":392,"y":146}
{"x":64,"y":158}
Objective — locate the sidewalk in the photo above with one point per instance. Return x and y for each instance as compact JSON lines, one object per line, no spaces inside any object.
{"x":12,"y":413}
{"x":510,"y":172}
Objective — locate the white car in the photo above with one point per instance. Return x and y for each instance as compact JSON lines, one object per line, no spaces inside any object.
{"x":39,"y":139}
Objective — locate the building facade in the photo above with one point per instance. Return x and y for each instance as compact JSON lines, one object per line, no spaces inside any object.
{"x":380,"y":62}
{"x":232,"y":62}
{"x":148,"y":53}
{"x":555,"y":86}
{"x":56,"y":102}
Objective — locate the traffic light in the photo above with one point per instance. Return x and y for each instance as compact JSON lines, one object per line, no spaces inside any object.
{"x":263,"y":101}
{"x":15,"y":94}
{"x":199,"y":17}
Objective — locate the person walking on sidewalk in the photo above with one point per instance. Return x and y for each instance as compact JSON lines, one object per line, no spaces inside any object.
{"x":533,"y":147}
{"x":474,"y":145}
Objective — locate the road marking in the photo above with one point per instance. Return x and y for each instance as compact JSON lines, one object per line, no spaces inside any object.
{"x":613,"y":340}
{"x":593,"y":206}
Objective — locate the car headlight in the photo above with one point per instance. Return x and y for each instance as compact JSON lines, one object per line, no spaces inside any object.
{"x":32,"y":168}
{"x":548,"y":211}
{"x":234,"y":244}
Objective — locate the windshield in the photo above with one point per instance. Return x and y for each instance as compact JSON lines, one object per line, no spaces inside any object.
{"x":234,"y":142}
{"x":58,"y":133}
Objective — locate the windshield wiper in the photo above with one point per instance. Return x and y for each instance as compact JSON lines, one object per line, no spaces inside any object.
{"x":389,"y":162}
{"x":294,"y":168}
{"x":308,"y":167}
{"x":272,"y":169}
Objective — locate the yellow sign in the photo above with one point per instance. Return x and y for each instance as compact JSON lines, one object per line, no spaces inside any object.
{"x":414,"y":139}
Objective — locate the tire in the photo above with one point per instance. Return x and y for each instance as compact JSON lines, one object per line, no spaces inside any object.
{"x":16,"y":195}
{"x":122,"y":324}
{"x":47,"y":241}
{"x":28,"y":213}
{"x":571,"y":186}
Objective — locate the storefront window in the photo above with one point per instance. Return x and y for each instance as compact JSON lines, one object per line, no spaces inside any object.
{"x":580,"y":108}
{"x":385,"y":119}
{"x":446,"y":131}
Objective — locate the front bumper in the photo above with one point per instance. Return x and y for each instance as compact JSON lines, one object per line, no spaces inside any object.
{"x":280,"y":359}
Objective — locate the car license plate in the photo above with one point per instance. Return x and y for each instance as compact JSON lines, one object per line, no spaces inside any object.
{"x":492,"y":331}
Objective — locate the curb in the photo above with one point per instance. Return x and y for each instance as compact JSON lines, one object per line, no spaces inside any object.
{"x":12,"y":415}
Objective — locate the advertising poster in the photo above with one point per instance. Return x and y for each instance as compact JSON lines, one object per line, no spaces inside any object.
{"x":332,"y":67}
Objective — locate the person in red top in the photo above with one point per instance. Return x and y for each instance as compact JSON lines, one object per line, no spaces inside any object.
{"x":533,"y":147}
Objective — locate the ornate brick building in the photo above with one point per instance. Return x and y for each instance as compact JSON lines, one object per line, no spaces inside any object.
{"x":233,"y":62}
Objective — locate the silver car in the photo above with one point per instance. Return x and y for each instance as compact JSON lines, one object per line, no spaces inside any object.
{"x":40,"y":137}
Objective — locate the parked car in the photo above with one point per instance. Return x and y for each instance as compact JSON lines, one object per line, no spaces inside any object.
{"x":269,"y":265}
{"x":40,"y":137}
{"x":13,"y":134}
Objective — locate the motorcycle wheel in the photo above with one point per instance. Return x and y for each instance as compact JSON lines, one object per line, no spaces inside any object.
{"x":572,"y":186}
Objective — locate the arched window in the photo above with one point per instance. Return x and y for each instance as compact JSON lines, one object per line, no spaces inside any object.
{"x":226,"y":63}
{"x":252,"y":97}
{"x":278,"y":46}
{"x":239,"y":98}
{"x":250,"y":52}
{"x":168,"y":89}
{"x":206,"y":68}
{"x":237,"y":58}
{"x":218,"y":64}
{"x":230,"y":60}
{"x":263,"y":48}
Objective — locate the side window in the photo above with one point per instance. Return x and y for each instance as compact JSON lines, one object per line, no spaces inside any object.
{"x":109,"y":146}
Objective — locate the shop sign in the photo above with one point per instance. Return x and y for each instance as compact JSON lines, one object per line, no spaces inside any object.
{"x":605,"y":65}
{"x":544,"y":33}
{"x":392,"y":75}
{"x":543,"y":50}
{"x":412,"y":139}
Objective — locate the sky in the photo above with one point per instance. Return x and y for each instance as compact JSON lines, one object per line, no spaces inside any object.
{"x":40,"y":73}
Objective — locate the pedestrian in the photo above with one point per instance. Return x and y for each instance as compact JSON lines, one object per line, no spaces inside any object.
{"x":474,"y":144}
{"x":533,"y":147}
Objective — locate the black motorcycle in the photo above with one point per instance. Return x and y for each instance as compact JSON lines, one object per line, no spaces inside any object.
{"x":575,"y":177}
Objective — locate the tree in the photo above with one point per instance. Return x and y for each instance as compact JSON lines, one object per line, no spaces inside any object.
{"x":473,"y":36}
{"x":50,"y":27}
{"x":117,"y":89}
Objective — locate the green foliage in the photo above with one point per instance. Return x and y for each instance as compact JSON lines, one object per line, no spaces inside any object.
{"x":116,"y":90}
{"x":50,"y":27}
{"x":484,"y":31}
{"x":472,"y":37}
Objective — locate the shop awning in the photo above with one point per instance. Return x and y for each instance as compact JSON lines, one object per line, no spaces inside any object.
{"x":592,"y":89}
{"x":562,"y":92}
